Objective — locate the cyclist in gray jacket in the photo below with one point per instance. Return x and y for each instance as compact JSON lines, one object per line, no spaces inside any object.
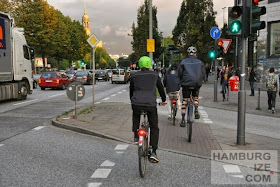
{"x":191,"y":72}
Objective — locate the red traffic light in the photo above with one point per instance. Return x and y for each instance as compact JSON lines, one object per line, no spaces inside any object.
{"x":236,"y":12}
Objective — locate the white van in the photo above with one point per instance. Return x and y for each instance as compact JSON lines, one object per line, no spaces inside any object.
{"x":119,"y":75}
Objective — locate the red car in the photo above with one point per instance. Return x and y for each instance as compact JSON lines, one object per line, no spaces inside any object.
{"x":54,"y":80}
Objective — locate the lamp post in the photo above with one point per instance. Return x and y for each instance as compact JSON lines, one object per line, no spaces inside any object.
{"x":223,"y":15}
{"x":150,"y":25}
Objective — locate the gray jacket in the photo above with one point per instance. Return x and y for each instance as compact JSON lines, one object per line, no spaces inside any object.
{"x":191,"y":72}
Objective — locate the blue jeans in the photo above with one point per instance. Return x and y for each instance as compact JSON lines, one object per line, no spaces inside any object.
{"x":224,"y":88}
{"x":252,"y":87}
{"x":271,"y":99}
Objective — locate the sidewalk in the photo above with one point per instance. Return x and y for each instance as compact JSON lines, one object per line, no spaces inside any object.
{"x":114,"y":120}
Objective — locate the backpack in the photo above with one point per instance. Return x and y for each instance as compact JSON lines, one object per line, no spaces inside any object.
{"x":271,"y":82}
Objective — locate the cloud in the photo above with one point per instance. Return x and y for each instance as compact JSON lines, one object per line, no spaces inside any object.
{"x":106,"y":30}
{"x":123,"y":31}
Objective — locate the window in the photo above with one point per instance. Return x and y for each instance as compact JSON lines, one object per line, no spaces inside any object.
{"x":26,"y":52}
{"x":275,"y":39}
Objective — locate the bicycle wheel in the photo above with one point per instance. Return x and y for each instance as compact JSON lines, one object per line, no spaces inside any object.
{"x":189,"y":123}
{"x":143,"y":157}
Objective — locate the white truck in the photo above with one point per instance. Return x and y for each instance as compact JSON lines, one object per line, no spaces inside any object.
{"x":15,"y":61}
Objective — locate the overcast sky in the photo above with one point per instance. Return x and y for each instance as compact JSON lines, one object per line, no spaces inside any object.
{"x":111,"y":20}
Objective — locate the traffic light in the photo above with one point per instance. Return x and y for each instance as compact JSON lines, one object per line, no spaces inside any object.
{"x":255,"y":13}
{"x":82,"y":63}
{"x":235,"y":20}
{"x":212,"y":52}
{"x":219,"y":49}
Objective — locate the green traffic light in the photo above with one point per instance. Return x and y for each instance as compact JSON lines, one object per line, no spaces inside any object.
{"x":82,"y":63}
{"x":212,"y":54}
{"x":235,"y":26}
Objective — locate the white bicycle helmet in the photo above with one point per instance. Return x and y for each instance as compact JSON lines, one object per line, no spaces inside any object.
{"x":191,"y":50}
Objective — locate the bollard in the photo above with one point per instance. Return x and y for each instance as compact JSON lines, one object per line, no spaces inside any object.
{"x":259,"y":99}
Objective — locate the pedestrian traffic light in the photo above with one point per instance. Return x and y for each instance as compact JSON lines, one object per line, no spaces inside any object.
{"x":82,"y":63}
{"x":255,"y":13}
{"x":212,"y":52}
{"x":220,"y":49}
{"x":235,"y":20}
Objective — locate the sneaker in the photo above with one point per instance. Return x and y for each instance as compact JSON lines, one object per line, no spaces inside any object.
{"x":269,"y":109}
{"x":196,"y":115}
{"x":272,"y":110}
{"x":183,"y":123}
{"x":136,"y":140}
{"x":153,"y":158}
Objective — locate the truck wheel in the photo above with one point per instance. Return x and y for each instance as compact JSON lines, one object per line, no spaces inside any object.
{"x":23,"y":91}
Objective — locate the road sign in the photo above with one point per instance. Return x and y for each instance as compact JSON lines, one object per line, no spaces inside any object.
{"x":226,"y":44}
{"x":71,"y":91}
{"x":92,"y":40}
{"x":215,"y":32}
{"x":150,"y":45}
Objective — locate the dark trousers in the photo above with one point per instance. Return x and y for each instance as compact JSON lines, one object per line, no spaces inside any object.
{"x":252,"y":87}
{"x":271,"y":99}
{"x":152,"y":119}
{"x":225,"y":89}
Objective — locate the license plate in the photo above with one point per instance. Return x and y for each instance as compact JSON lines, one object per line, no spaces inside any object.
{"x":99,"y":78}
{"x":48,"y":80}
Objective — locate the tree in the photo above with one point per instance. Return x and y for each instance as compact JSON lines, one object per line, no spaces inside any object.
{"x":124,"y":62}
{"x":5,"y":6}
{"x":102,"y":58}
{"x":140,"y":32}
{"x":194,"y":22}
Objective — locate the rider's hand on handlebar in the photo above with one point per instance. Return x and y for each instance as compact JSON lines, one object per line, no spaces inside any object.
{"x":162,"y":104}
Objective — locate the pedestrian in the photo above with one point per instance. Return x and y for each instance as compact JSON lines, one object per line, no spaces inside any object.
{"x":252,"y":79}
{"x":224,"y":80}
{"x":163,"y":72}
{"x":272,"y":85}
{"x":207,"y":71}
{"x":172,"y":83}
{"x":143,"y":96}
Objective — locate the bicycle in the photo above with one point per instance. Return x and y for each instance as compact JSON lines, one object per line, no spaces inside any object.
{"x":144,"y":148}
{"x":173,"y":99}
{"x":190,"y":119}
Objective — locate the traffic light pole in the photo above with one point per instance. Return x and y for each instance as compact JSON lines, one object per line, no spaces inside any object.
{"x":150,"y":25}
{"x":216,"y":77}
{"x":93,"y":74}
{"x":242,"y":92}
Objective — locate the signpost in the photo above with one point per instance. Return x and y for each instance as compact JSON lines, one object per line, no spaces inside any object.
{"x":75,"y":92}
{"x":225,"y":44}
{"x":215,"y":33}
{"x":150,"y":45}
{"x":93,"y":41}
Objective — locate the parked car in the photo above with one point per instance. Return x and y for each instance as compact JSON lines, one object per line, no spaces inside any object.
{"x":101,"y":75}
{"x":83,"y":76}
{"x":119,"y":75}
{"x":54,"y":80}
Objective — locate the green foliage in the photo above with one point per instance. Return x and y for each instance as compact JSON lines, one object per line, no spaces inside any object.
{"x":48,"y":31}
{"x":124,"y":62}
{"x":194,"y":22}
{"x":140,"y":32}
{"x":102,"y":59}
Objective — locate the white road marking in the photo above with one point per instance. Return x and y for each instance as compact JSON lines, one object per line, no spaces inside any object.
{"x":56,"y":95}
{"x":123,"y":90}
{"x":26,"y":102}
{"x":1,"y":145}
{"x":38,"y":128}
{"x":204,"y":115}
{"x":105,"y":99}
{"x":107,"y":163}
{"x":200,"y":107}
{"x":231,"y":169}
{"x":113,"y":95}
{"x":101,"y":173}
{"x":238,"y":176}
{"x":120,"y":152}
{"x":98,"y":102}
{"x":119,"y":92}
{"x":208,"y":122}
{"x":94,"y":184}
{"x":121,"y":147}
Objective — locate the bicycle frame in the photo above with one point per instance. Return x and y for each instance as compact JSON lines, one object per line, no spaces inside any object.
{"x":173,"y":99}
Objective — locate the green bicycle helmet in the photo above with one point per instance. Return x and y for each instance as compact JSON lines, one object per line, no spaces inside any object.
{"x":145,"y":62}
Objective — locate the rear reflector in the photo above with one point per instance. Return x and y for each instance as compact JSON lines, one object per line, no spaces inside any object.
{"x":173,"y":101}
{"x":142,"y":132}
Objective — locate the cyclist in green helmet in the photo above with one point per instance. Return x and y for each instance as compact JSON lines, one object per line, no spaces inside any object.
{"x":143,"y":96}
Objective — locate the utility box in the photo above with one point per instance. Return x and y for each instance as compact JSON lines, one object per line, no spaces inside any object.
{"x":234,"y":83}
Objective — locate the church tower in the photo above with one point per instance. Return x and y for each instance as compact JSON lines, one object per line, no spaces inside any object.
{"x":85,"y":22}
